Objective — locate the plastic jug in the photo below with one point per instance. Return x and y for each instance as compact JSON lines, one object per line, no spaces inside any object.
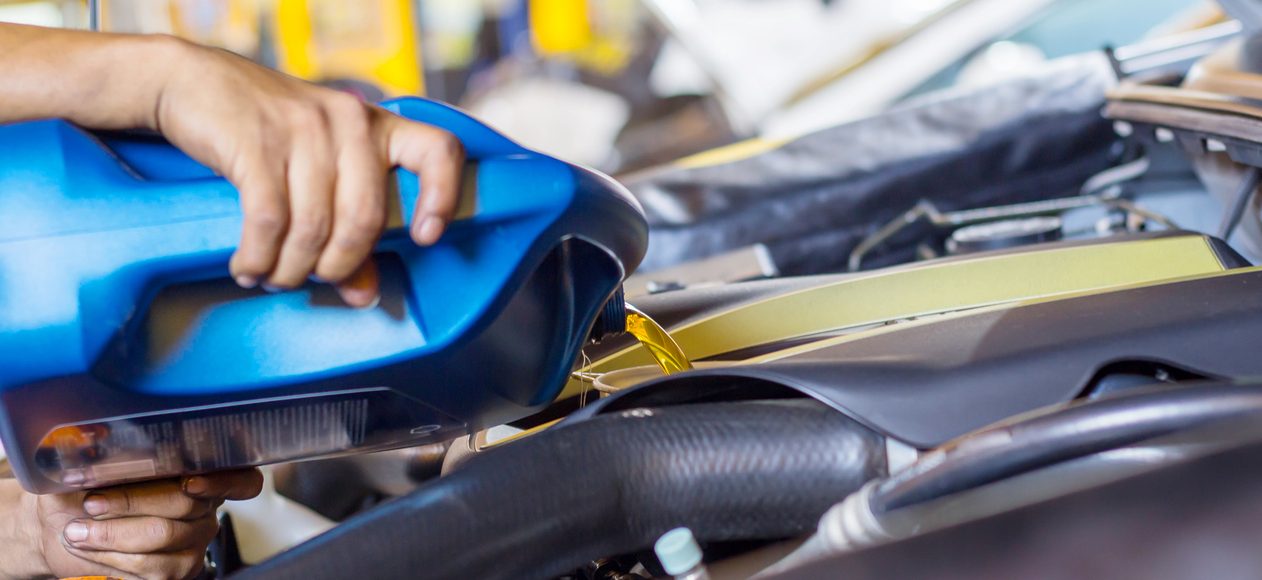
{"x":126,"y":353}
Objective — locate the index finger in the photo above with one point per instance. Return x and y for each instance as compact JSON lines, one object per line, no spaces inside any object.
{"x":162,"y":499}
{"x":438,"y":158}
{"x":228,"y":485}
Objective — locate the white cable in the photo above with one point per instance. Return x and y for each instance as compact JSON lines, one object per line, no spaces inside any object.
{"x":847,"y":526}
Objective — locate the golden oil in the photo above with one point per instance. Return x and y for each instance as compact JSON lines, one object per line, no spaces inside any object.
{"x":657,"y":341}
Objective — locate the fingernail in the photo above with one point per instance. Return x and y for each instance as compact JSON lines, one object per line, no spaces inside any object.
{"x":74,"y":478}
{"x":96,"y":504}
{"x":362,"y":299}
{"x":195,"y":486}
{"x":375,"y":302}
{"x":76,"y":532}
{"x":247,"y":281}
{"x":431,"y":229}
{"x":272,"y":289}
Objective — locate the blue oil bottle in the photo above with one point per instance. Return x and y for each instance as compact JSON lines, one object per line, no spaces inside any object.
{"x":126,"y":352}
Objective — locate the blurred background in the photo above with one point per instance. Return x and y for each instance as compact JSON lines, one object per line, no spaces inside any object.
{"x":622,"y":85}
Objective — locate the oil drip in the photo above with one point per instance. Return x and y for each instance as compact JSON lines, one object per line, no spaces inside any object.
{"x":664,"y":350}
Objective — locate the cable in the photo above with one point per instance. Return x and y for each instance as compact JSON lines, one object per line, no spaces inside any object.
{"x":1114,"y":176}
{"x":1245,"y":193}
{"x":1061,"y":435}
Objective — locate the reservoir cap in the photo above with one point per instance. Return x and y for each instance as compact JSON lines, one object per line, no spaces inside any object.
{"x":678,"y":551}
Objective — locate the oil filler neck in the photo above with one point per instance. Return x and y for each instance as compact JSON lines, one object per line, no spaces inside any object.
{"x":613,"y":318}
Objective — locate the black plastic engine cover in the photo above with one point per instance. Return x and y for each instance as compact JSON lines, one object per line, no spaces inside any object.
{"x":928,"y":383}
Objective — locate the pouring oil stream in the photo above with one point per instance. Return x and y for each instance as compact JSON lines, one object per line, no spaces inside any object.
{"x":664,"y":350}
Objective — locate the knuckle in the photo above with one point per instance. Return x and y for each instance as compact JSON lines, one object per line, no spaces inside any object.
{"x":306,"y":117}
{"x":162,"y":530}
{"x":357,"y":128}
{"x":102,"y":534}
{"x":186,"y":506}
{"x":267,"y":220}
{"x":345,"y":105}
{"x":271,"y":139}
{"x":447,"y":145}
{"x":366,"y":220}
{"x":123,"y":502}
{"x":354,"y":240}
{"x":310,"y":233}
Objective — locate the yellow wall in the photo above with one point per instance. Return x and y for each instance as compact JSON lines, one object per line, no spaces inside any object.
{"x":369,"y":40}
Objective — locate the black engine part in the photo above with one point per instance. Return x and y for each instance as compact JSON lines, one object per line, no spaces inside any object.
{"x":930,"y":383}
{"x":1199,"y":519}
{"x":548,"y":504}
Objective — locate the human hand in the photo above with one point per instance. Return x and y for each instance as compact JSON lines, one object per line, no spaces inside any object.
{"x":152,"y":530}
{"x":311,"y":164}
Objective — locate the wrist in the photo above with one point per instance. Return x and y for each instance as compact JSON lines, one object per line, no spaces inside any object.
{"x":114,"y":81}
{"x":98,"y":80}
{"x":21,"y":554}
{"x":149,"y":63}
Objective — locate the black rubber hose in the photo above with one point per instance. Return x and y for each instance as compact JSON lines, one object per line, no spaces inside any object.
{"x":609,"y":485}
{"x":1061,"y":435}
{"x":1197,"y":519}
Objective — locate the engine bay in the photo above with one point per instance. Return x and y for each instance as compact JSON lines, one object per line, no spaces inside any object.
{"x":1041,"y":355}
{"x":1004,"y":330}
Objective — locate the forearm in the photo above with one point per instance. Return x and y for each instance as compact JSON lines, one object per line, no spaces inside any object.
{"x":20,"y":555}
{"x":99,"y":80}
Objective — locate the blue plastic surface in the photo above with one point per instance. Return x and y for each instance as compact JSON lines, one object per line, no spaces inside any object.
{"x":116,"y":308}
